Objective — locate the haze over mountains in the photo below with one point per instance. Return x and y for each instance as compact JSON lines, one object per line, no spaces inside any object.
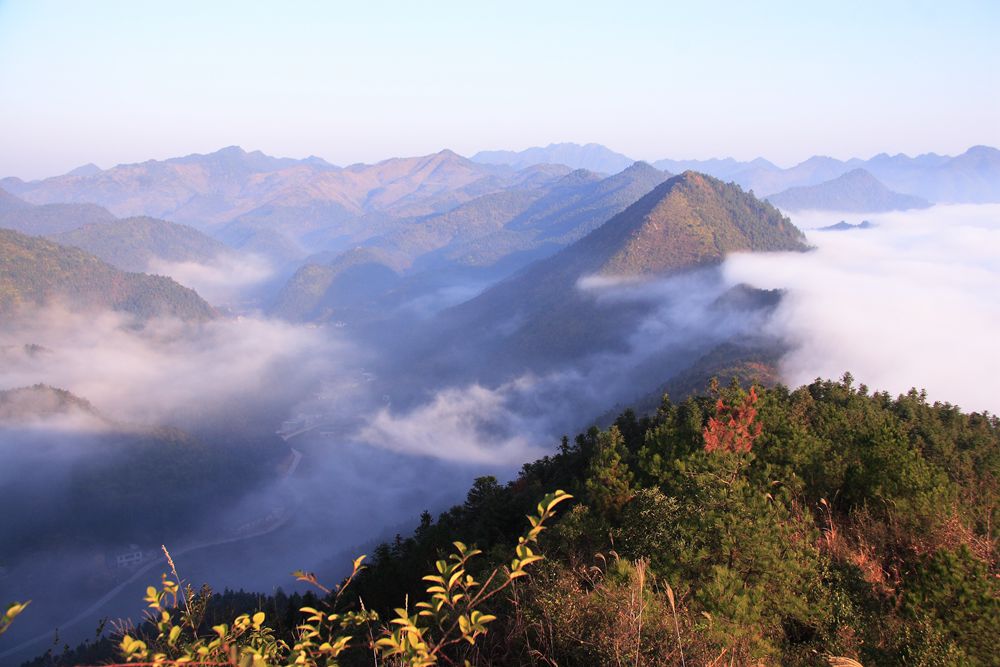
{"x":971,"y":177}
{"x":437,"y":314}
{"x":856,"y":191}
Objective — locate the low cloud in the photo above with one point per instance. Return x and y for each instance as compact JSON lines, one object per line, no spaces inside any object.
{"x":170,"y":372}
{"x":472,"y":424}
{"x":225,"y":281}
{"x":911,"y":302}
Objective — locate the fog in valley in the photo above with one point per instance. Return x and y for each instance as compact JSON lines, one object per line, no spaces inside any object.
{"x":909,"y":302}
{"x":311,"y":441}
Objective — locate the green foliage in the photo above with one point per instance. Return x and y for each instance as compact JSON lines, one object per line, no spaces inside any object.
{"x":36,"y":272}
{"x":855,"y":525}
{"x":131,"y":243}
{"x":609,"y":479}
{"x":450,"y":617}
{"x":14,"y":609}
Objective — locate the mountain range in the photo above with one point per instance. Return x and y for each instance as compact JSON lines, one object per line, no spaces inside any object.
{"x":485,"y":238}
{"x":972,"y":177}
{"x":288,"y":209}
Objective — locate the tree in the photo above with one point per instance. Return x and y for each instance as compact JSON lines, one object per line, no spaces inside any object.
{"x":609,"y":480}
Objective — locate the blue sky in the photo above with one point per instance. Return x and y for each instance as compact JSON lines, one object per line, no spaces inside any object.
{"x":113,"y":82}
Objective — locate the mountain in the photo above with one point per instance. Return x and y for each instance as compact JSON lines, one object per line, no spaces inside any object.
{"x":349,"y":281}
{"x":36,"y":271}
{"x":844,"y":226}
{"x":131,"y":244}
{"x":690,"y":220}
{"x":534,"y":222}
{"x":855,"y":191}
{"x":208,"y":190}
{"x":39,"y":402}
{"x":542,"y":317}
{"x":88,"y":169}
{"x":10,"y":202}
{"x":973,"y":176}
{"x":15,"y":213}
{"x":726,"y":169}
{"x":483,"y":239}
{"x":592,"y":157}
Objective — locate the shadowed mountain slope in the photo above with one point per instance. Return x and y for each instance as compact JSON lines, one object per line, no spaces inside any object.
{"x":548,"y":312}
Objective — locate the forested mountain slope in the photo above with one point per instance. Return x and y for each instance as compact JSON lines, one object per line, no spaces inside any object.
{"x":772,"y":526}
{"x":37,"y":272}
{"x":132,"y":243}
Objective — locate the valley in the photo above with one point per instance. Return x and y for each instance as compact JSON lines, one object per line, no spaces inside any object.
{"x":422,"y":322}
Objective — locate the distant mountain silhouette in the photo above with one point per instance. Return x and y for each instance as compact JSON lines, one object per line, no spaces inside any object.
{"x":844,"y":226}
{"x":972,"y":177}
{"x":17,"y":214}
{"x":88,"y":169}
{"x":855,"y":191}
{"x":221,"y":186}
{"x":593,"y":157}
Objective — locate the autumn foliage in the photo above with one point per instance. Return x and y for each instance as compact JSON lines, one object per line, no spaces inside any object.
{"x":733,"y":428}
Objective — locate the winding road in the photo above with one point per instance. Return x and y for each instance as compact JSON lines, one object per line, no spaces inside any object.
{"x":90,"y":611}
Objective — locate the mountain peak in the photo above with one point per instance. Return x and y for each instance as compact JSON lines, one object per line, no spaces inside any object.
{"x":232,"y":150}
{"x":856,"y":191}
{"x":689,"y":220}
{"x":641,"y":167}
{"x":858,"y":176}
{"x":450,"y":155}
{"x":88,"y":169}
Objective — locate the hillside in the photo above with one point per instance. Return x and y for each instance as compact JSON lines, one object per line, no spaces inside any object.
{"x":856,"y":191}
{"x":131,"y":243}
{"x":69,"y":454}
{"x":36,"y":271}
{"x":40,"y":402}
{"x":820,"y":525}
{"x":483,"y":239}
{"x":540,"y":318}
{"x":348,"y":283}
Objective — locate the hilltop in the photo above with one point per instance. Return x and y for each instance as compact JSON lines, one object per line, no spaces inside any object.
{"x":40,"y":402}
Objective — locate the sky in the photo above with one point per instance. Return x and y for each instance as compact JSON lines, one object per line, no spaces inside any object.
{"x":115,"y":82}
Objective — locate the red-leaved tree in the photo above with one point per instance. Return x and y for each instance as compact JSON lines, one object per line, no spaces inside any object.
{"x":733,"y":428}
